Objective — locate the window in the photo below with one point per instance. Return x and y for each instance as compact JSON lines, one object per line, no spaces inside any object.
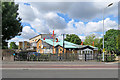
{"x":27,"y":44}
{"x":80,"y":52}
{"x":39,"y":44}
{"x":90,"y":52}
{"x":60,"y":49}
{"x":83,"y":52}
{"x":38,"y":51}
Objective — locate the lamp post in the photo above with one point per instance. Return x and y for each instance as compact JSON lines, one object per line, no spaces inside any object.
{"x":103,"y":27}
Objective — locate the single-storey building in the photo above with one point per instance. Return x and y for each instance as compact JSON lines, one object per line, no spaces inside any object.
{"x":46,"y":46}
{"x":44,"y":43}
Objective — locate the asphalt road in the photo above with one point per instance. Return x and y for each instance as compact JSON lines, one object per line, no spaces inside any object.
{"x":60,"y":73}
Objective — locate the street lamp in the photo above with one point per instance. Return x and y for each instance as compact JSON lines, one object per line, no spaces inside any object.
{"x":103,"y":27}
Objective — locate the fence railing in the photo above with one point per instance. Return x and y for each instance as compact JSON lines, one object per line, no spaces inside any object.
{"x":107,"y":57}
{"x":63,"y":57}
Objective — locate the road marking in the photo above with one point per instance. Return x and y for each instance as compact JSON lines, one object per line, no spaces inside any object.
{"x":54,"y":68}
{"x":111,"y":63}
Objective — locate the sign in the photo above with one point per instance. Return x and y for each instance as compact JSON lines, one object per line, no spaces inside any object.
{"x":103,"y":49}
{"x":14,"y":54}
{"x":44,"y":47}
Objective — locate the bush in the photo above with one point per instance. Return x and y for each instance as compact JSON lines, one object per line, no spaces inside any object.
{"x":23,"y":56}
{"x":107,"y":57}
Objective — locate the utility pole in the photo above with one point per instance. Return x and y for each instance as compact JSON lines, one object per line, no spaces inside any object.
{"x":53,"y":40}
{"x":103,"y":28}
{"x":63,"y":45}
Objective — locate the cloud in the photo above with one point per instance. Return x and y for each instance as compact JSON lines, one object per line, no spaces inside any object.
{"x":98,"y":26}
{"x":26,"y":12}
{"x":43,"y":15}
{"x":28,"y":33}
{"x":40,"y":26}
{"x":89,"y":28}
{"x":82,"y":38}
{"x":77,"y":10}
{"x":54,"y":21}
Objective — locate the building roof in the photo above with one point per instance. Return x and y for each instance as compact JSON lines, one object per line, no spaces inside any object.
{"x":39,"y":35}
{"x":66,"y":44}
{"x":35,"y":36}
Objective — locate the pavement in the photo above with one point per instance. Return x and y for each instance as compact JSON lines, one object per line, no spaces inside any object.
{"x":53,"y":65}
{"x":24,"y":69}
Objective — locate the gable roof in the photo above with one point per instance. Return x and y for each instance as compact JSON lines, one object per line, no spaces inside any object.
{"x":66,"y":44}
{"x":39,"y":35}
{"x":35,"y":36}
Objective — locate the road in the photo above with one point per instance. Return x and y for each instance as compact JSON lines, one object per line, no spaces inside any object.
{"x":60,"y":73}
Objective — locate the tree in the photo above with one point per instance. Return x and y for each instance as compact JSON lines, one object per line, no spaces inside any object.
{"x":111,"y":39}
{"x":11,"y":25}
{"x":73,"y":39}
{"x":118,"y":44}
{"x":13,"y":45}
{"x":89,"y":40}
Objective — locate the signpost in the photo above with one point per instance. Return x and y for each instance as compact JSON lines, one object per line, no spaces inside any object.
{"x":103,"y":49}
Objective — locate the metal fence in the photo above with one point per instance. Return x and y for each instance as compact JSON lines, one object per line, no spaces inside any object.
{"x":46,"y":57}
{"x":107,"y":57}
{"x":62,"y":57}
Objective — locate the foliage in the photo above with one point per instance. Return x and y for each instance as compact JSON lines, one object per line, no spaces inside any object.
{"x":118,"y":44}
{"x":13,"y":45}
{"x":112,"y":39}
{"x":22,"y":55}
{"x":11,"y":25}
{"x":108,"y":57}
{"x":73,"y":39}
{"x":89,"y":40}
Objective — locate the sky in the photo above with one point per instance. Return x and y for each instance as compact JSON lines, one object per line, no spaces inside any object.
{"x":80,"y":18}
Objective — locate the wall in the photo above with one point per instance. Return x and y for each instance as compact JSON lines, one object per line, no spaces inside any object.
{"x":7,"y":55}
{"x":39,"y":45}
{"x":24,"y":45}
{"x":60,"y":50}
{"x":20,"y":45}
{"x":35,"y":39}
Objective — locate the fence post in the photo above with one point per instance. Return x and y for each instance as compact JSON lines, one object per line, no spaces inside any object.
{"x":111,"y":57}
{"x":106,"y":57}
{"x":14,"y":58}
{"x":85,"y":57}
{"x":99,"y":56}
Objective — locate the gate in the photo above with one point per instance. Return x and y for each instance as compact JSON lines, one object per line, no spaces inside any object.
{"x":86,"y":54}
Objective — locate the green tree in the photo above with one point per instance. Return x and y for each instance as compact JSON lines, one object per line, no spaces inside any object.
{"x":13,"y":45}
{"x":73,"y":39}
{"x":89,"y":40}
{"x":118,"y":44}
{"x":111,"y":40}
{"x":11,"y":25}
